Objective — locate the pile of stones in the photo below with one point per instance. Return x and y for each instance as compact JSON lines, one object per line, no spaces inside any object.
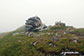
{"x":34,"y":24}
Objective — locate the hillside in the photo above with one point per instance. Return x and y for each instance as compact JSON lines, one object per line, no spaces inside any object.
{"x":3,"y":34}
{"x":47,"y":42}
{"x":36,"y":39}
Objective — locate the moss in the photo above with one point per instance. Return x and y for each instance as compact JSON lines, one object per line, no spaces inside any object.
{"x":55,"y":27}
{"x":10,"y":45}
{"x":79,"y":30}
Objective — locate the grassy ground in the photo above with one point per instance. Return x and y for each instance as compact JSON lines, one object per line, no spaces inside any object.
{"x":20,"y":45}
{"x":3,"y":34}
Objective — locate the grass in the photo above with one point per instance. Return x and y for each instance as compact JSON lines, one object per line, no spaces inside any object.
{"x":21,"y":45}
{"x":81,"y":30}
{"x":55,"y":27}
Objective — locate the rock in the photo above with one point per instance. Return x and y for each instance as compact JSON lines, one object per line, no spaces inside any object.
{"x":70,"y":28}
{"x":56,"y":34}
{"x":14,"y":34}
{"x":34,"y":24}
{"x":48,"y":33}
{"x":28,"y":28}
{"x":31,"y":33}
{"x":60,"y":24}
{"x":65,"y":33}
{"x":19,"y":40}
{"x":34,"y":43}
{"x":55,"y":31}
{"x":54,"y":38}
{"x":26,"y":34}
{"x":75,"y":41}
{"x":52,"y":44}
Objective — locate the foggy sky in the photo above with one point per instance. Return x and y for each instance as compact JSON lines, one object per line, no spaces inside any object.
{"x":13,"y":13}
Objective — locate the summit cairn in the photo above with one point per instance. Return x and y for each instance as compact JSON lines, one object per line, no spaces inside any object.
{"x":34,"y":24}
{"x":60,"y":24}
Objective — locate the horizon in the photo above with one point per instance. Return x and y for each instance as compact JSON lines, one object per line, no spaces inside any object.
{"x":13,"y":13}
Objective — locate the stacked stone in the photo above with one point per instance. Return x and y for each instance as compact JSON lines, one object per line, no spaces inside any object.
{"x":32,"y":24}
{"x":60,"y":24}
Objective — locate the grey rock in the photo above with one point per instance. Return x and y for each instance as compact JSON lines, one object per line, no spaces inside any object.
{"x":19,"y":40}
{"x":54,"y":38}
{"x":56,"y":34}
{"x":14,"y":34}
{"x":52,"y":44}
{"x":75,"y":41}
{"x":34,"y":24}
{"x":48,"y":33}
{"x":65,"y":33}
{"x":34,"y":43}
{"x":60,"y":24}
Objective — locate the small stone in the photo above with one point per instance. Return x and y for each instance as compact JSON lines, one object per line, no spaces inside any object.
{"x":54,"y":38}
{"x":52,"y":44}
{"x":56,"y":34}
{"x":75,"y":41}
{"x":19,"y":41}
{"x":34,"y":43}
{"x":14,"y":34}
{"x":65,"y":33}
{"x":59,"y":35}
{"x":48,"y":33}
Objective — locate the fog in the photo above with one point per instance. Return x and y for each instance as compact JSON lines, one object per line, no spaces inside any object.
{"x":13,"y":13}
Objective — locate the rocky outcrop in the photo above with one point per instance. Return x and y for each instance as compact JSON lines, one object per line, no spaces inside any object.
{"x":60,"y":24}
{"x":34,"y":24}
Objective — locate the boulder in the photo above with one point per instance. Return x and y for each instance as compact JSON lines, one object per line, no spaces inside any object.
{"x":34,"y":24}
{"x":60,"y":24}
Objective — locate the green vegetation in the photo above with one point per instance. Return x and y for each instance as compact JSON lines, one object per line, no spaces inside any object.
{"x":55,"y":27}
{"x":20,"y":45}
{"x":79,"y":30}
{"x":21,"y":29}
